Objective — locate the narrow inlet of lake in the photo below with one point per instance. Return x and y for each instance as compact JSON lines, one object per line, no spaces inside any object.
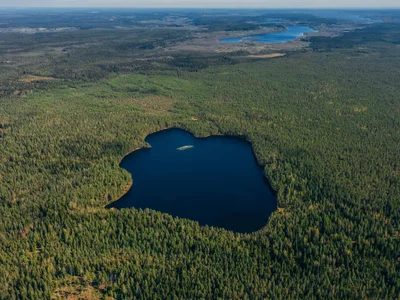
{"x":215,"y":181}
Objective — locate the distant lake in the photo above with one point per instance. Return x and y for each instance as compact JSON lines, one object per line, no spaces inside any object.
{"x":215,"y":181}
{"x":291,"y":34}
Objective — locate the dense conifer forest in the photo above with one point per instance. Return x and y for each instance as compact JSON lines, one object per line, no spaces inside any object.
{"x":324,"y":122}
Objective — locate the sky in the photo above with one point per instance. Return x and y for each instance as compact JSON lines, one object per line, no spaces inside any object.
{"x":204,"y":3}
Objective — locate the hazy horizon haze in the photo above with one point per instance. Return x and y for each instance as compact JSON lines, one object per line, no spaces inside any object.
{"x":351,"y":4}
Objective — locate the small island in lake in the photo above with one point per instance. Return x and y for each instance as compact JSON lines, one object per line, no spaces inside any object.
{"x":184,"y":147}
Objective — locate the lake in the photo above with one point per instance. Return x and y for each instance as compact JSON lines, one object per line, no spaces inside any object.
{"x":215,"y":181}
{"x":291,"y":34}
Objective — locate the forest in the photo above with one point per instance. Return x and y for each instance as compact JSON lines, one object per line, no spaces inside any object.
{"x":324,"y":122}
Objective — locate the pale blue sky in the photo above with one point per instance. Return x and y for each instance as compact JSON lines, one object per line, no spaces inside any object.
{"x":204,"y":3}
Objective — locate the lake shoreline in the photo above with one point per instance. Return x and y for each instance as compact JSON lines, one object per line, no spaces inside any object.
{"x":129,"y":186}
{"x":292,"y":33}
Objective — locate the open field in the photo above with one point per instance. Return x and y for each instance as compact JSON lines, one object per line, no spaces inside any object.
{"x":271,"y":55}
{"x":33,"y":78}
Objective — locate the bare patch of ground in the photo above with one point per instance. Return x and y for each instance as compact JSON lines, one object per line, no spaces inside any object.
{"x":24,"y":232}
{"x":153,"y":104}
{"x":360,"y":109}
{"x":271,"y":55}
{"x":76,"y":288}
{"x":29,"y":30}
{"x":32,"y":78}
{"x":54,"y":122}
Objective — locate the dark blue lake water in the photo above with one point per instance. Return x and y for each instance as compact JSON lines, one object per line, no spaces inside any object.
{"x":215,"y":181}
{"x":291,"y":34}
